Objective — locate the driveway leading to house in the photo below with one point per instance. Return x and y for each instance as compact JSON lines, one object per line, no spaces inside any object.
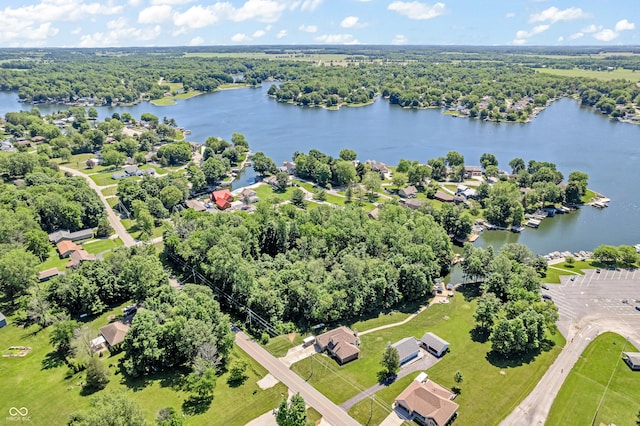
{"x":588,"y":305}
{"x":114,"y":221}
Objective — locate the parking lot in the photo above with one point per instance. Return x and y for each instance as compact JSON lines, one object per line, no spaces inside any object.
{"x":610,"y":295}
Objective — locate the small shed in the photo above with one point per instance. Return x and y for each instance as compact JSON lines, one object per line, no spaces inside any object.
{"x":631,"y":358}
{"x":308,"y":341}
{"x":434,"y":344}
{"x":3,"y":320}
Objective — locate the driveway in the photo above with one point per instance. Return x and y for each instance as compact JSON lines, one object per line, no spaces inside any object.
{"x":588,"y":305}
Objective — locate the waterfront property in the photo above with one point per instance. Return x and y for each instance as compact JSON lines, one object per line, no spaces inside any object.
{"x":222,"y":198}
{"x":427,"y":403}
{"x":434,"y":344}
{"x":341,"y":343}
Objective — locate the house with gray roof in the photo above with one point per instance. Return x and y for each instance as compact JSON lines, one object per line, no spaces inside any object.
{"x":434,"y":344}
{"x":408,"y":349}
{"x":632,"y":359}
{"x":408,"y":192}
{"x":65,"y":235}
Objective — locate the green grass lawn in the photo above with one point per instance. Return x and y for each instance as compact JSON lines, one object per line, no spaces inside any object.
{"x":382,"y":319}
{"x":374,"y":412}
{"x":555,"y":271}
{"x":279,"y":345}
{"x":588,"y":195}
{"x":38,"y":381}
{"x":265,"y":192}
{"x":102,"y":245}
{"x":488,"y":382}
{"x":600,"y":75}
{"x":77,"y":161}
{"x":103,"y":178}
{"x":132,"y":228}
{"x":112,"y":201}
{"x":108,"y":192}
{"x":53,"y":261}
{"x":585,"y":386}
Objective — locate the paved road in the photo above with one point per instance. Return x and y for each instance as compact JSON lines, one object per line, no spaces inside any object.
{"x":126,"y":238}
{"x":330,"y":411}
{"x":588,"y":305}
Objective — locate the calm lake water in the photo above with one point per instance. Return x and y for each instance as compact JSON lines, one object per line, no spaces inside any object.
{"x":574,"y":138}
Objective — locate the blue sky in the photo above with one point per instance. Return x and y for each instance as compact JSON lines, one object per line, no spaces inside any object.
{"x":113,"y":23}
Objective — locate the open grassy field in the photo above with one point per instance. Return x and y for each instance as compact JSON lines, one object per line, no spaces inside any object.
{"x":600,"y":75}
{"x":289,"y":56}
{"x":39,"y":382}
{"x":599,"y":375}
{"x":279,"y":345}
{"x":265,"y":192}
{"x":488,"y":381}
{"x":110,"y":191}
{"x":53,"y":261}
{"x":131,"y":227}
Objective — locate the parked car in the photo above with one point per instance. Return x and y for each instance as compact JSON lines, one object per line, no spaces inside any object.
{"x":637,"y":308}
{"x":544,"y":286}
{"x":546,"y":297}
{"x":598,"y":270}
{"x":573,"y":277}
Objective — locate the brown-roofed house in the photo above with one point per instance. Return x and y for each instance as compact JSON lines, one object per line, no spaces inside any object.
{"x":195,"y":205}
{"x":79,"y":256}
{"x":443,"y":197}
{"x":428,"y":403}
{"x":114,"y":333}
{"x":341,"y":343}
{"x":409,"y":192}
{"x":66,"y":247}
{"x":48,"y":274}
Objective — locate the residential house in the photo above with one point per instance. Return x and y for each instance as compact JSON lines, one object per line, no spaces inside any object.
{"x":427,"y":403}
{"x":412,"y":204}
{"x":443,"y":197}
{"x":249,"y":196}
{"x":271,"y":180}
{"x":632,"y":359}
{"x":38,"y":139}
{"x":222,"y":198}
{"x":434,"y":344}
{"x":79,"y":256}
{"x":114,"y":333}
{"x":288,"y":167}
{"x":472,"y":171}
{"x":66,"y":247}
{"x":469,"y":193}
{"x":3,"y":320}
{"x":131,"y":170}
{"x":383,"y":169}
{"x":48,"y":274}
{"x":341,"y":343}
{"x":409,"y":192}
{"x":408,"y":349}
{"x":196,"y":205}
{"x":83,"y":234}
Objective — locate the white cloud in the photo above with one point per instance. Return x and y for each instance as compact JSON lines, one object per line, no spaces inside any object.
{"x":258,"y":34}
{"x":281,"y":34}
{"x":510,"y":15}
{"x":519,"y":41}
{"x":308,"y":28}
{"x":417,"y":10}
{"x":199,"y":17}
{"x":119,"y":30}
{"x":560,"y":39}
{"x":154,"y":14}
{"x":310,"y":5}
{"x":135,"y":3}
{"x":576,"y":36}
{"x":160,"y":2}
{"x":196,"y":41}
{"x":553,"y":14}
{"x":625,"y":25}
{"x":591,"y":28}
{"x":240,"y":38}
{"x":535,"y":30}
{"x":350,"y":22}
{"x":606,"y":35}
{"x":399,"y":39}
{"x":337,"y":39}
{"x":260,"y":10}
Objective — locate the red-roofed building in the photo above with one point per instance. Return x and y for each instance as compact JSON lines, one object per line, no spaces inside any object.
{"x":222,"y":198}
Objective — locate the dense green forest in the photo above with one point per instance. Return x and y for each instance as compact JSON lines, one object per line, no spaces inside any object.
{"x":303,"y":267}
{"x":496,"y":84}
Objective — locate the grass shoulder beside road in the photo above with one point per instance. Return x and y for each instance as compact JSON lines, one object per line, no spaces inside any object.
{"x":40,"y":383}
{"x":488,"y":382}
{"x":586,"y":385}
